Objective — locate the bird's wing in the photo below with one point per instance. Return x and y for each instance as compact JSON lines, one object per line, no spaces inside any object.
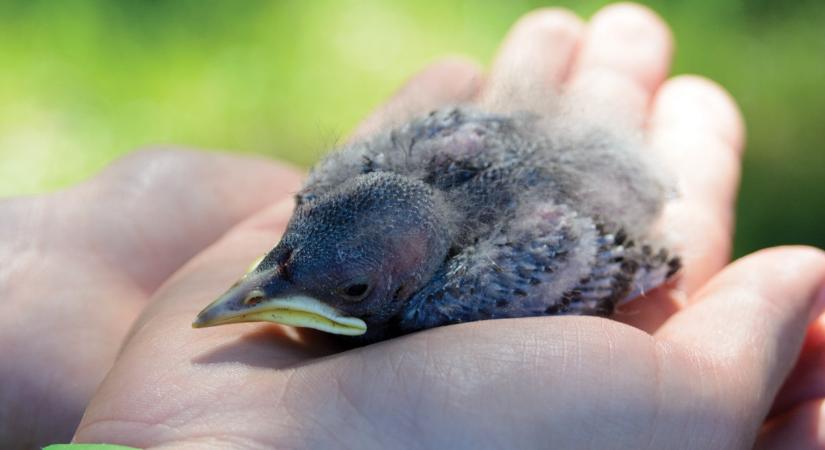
{"x":521,"y":269}
{"x":550,"y":262}
{"x":622,"y":271}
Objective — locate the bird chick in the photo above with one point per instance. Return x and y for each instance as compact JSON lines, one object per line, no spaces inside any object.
{"x":459,"y":216}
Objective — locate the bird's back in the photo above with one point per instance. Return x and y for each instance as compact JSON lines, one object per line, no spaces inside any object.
{"x":487,"y":165}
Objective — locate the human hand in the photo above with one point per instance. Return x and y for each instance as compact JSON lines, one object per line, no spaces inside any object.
{"x":79,"y":265}
{"x":704,"y":377}
{"x":502,"y":383}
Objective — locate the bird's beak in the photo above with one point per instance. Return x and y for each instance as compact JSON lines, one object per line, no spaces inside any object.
{"x":246,"y":302}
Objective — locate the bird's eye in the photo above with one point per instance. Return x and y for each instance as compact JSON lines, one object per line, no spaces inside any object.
{"x":356,"y":291}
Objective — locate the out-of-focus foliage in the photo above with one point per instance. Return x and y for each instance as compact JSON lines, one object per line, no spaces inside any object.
{"x":82,"y":82}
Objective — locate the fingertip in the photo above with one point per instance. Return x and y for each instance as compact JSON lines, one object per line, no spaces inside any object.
{"x":552,"y":24}
{"x":453,"y":75}
{"x":802,"y":267}
{"x":631,"y":10}
{"x":793,"y":257}
{"x":629,"y":26}
{"x":699,"y":103}
{"x":448,"y":81}
{"x":789,"y":251}
{"x":534,"y":59}
{"x":775,"y":273}
{"x":545,"y":39}
{"x":633,"y":20}
{"x":625,"y":55}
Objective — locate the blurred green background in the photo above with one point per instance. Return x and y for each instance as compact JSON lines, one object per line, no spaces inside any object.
{"x":82,"y":82}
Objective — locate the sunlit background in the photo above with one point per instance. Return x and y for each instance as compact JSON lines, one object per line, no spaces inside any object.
{"x":82,"y":82}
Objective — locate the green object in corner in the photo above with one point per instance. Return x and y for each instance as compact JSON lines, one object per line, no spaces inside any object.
{"x":88,"y":447}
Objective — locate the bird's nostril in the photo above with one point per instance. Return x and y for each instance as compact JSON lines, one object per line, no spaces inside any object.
{"x":253,"y":298}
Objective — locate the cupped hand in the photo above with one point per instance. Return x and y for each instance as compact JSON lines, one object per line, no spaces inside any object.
{"x":700,"y":367}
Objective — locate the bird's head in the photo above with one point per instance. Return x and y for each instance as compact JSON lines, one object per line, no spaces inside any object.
{"x":348,"y":260}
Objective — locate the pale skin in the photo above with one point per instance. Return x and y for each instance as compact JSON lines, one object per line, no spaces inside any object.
{"x":145,"y":245}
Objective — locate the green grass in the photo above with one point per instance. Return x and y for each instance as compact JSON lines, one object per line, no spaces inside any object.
{"x":82,"y":82}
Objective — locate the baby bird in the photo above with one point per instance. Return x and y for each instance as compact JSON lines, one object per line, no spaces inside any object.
{"x":459,"y":216}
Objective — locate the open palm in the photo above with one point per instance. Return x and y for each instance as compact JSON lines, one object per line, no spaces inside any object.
{"x":698,"y":365}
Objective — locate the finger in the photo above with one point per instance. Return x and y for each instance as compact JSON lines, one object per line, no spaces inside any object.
{"x":82,"y":262}
{"x":448,"y":82}
{"x":624,"y":57}
{"x":225,"y":361}
{"x":150,"y":212}
{"x":750,"y":320}
{"x":807,"y":380}
{"x":799,"y":429}
{"x":535,"y":57}
{"x":208,"y":275}
{"x":697,"y":132}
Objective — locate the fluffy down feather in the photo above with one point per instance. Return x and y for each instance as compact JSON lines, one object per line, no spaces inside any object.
{"x":478,"y":215}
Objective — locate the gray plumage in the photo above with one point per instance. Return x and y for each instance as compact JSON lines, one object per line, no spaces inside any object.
{"x":466,"y":215}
